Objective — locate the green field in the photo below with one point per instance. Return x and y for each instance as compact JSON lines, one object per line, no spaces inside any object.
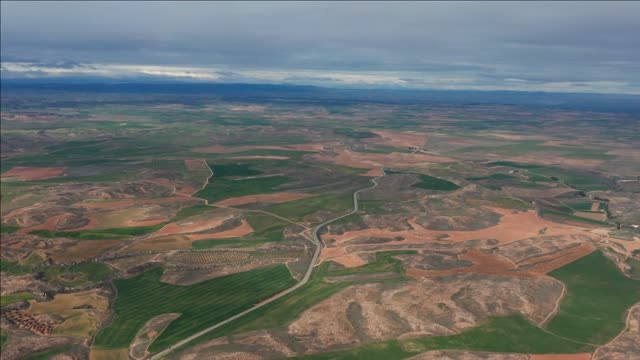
{"x":281,"y":311}
{"x":13,"y":298}
{"x":201,"y":305}
{"x":498,"y":176}
{"x":298,"y":209}
{"x":8,"y":229}
{"x":4,"y":338}
{"x":597,"y":297}
{"x":582,"y":206}
{"x":223,"y":188}
{"x":575,"y":218}
{"x":223,"y":170}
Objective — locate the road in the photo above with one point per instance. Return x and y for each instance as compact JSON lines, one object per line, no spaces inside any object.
{"x":316,"y":241}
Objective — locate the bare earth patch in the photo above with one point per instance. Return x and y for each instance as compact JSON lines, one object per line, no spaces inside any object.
{"x":583,"y":356}
{"x":513,"y":226}
{"x":186,"y":227}
{"x":33,"y":173}
{"x":270,"y":198}
{"x":242,"y":230}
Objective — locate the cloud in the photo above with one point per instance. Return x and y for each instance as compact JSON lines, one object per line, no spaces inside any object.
{"x":586,"y":45}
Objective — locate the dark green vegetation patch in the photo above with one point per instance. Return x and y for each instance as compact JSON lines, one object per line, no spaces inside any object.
{"x":596,"y":299}
{"x":200,"y":305}
{"x":222,"y":170}
{"x":228,"y":181}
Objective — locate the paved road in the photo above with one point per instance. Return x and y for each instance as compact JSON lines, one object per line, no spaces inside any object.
{"x":314,"y":238}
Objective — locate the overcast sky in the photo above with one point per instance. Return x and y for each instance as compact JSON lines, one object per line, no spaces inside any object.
{"x":572,"y":46}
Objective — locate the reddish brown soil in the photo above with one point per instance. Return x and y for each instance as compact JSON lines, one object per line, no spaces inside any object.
{"x":270,"y":198}
{"x":497,"y":265}
{"x":190,"y":227}
{"x":242,"y":230}
{"x":196,"y":164}
{"x":488,"y":264}
{"x":547,"y":263}
{"x":34,"y":173}
{"x":513,"y":226}
{"x":595,"y":206}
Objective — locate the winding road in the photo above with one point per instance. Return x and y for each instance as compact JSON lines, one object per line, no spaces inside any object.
{"x":316,"y":241}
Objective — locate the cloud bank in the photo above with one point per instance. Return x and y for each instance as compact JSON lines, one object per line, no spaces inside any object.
{"x":534,"y":46}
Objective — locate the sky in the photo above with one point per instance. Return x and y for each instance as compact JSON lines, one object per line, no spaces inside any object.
{"x":530,"y":46}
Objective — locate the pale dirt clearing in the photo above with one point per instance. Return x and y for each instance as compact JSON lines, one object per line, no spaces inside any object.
{"x":192,"y":226}
{"x":33,"y":173}
{"x":270,"y":198}
{"x":242,"y":230}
